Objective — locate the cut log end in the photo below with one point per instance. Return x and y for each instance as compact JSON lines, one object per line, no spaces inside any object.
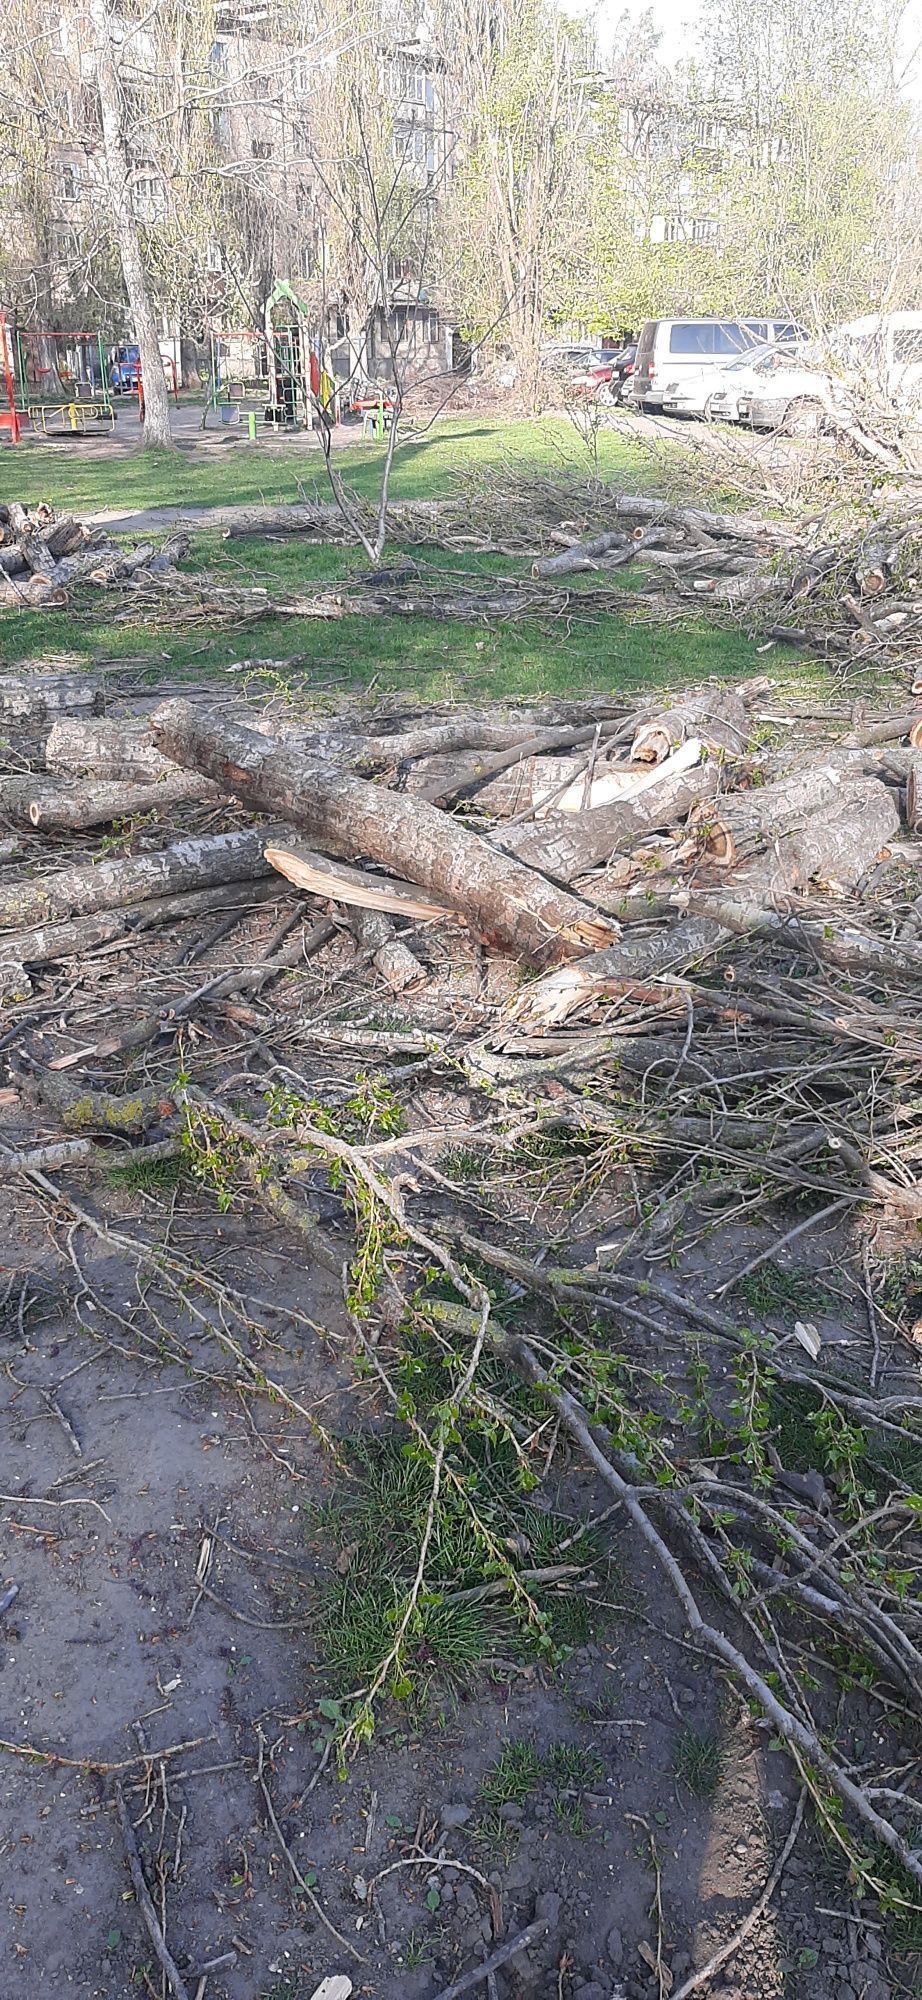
{"x":712,"y":835}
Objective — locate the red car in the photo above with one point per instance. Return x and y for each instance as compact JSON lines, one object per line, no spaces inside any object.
{"x":611,"y":377}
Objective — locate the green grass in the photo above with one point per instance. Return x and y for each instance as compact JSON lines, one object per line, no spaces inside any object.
{"x":772,"y":1288}
{"x":423,"y":467}
{"x":431,"y":658}
{"x":515,"y":1774}
{"x":426,"y":658}
{"x":698,"y":1761}
{"x":155,"y":1177}
{"x":573,"y":1766}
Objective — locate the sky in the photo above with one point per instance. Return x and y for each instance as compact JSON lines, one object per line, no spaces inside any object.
{"x":678,"y":20}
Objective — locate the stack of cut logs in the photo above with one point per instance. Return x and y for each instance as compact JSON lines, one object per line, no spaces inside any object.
{"x":42,"y":553}
{"x":604,"y":849}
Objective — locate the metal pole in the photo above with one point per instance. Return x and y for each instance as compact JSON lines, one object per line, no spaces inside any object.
{"x":11,"y":393}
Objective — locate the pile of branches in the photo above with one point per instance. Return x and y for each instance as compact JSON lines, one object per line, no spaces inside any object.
{"x":44,"y":554}
{"x":679,"y":947}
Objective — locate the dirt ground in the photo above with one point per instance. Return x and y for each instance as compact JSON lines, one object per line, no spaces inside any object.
{"x":112,"y":1658}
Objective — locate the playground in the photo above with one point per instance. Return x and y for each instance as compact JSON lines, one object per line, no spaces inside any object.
{"x":244,"y":383}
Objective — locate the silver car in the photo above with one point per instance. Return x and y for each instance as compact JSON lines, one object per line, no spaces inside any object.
{"x":714,"y":393}
{"x":793,"y":394}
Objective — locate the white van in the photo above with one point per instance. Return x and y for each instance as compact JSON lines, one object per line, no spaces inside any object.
{"x":669,"y":349}
{"x":882,"y":352}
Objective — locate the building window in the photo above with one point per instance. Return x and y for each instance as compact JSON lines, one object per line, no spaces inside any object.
{"x":308,"y":259}
{"x":67,"y":245}
{"x":149,"y":195}
{"x":261,"y":149}
{"x":674,"y":230}
{"x":218,"y":58}
{"x":707,"y":133}
{"x":70,"y":181}
{"x":259,"y":84}
{"x":704,"y":229}
{"x":408,"y":83}
{"x":415,"y":149}
{"x":214,"y":259}
{"x":300,"y":75}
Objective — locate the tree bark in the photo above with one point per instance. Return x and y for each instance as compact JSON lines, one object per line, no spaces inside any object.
{"x":74,"y":807}
{"x":565,"y":845}
{"x":730,"y":827}
{"x":375,"y":933}
{"x":636,"y":961}
{"x":532,"y":746}
{"x":86,"y":887}
{"x":119,"y":178}
{"x":527,"y":786}
{"x":697,"y":521}
{"x":738,"y":911}
{"x":835,"y":846}
{"x":508,"y":905}
{"x":580,"y":557}
{"x":32,"y":698}
{"x":914,"y":796}
{"x":717,"y":715}
{"x":120,"y":752}
{"x":75,"y":936}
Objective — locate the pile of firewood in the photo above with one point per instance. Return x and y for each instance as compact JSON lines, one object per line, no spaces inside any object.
{"x":43,"y":553}
{"x":599,"y":847}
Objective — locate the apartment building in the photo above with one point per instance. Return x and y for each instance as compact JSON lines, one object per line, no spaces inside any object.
{"x":243,"y":119}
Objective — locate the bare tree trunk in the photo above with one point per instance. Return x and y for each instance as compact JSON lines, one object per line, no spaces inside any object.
{"x":508,"y":905}
{"x":157,"y":433}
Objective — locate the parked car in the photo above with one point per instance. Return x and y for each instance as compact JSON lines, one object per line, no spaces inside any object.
{"x":670,"y":350}
{"x":795,"y":394}
{"x":124,"y":363}
{"x":881,"y":354}
{"x":616,"y":380}
{"x":714,"y":393}
{"x":570,"y":362}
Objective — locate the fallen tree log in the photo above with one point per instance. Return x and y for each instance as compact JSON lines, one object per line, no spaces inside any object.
{"x":698,"y":521}
{"x":835,"y":847}
{"x":56,"y":808}
{"x":566,"y":845}
{"x":86,"y":887}
{"x":841,"y":945}
{"x":726,"y":828}
{"x":508,"y":905}
{"x":531,"y":784}
{"x":539,"y":745}
{"x":31,"y":698}
{"x":119,"y":752}
{"x":73,"y":937}
{"x":716,"y":715}
{"x":86,"y":1111}
{"x":914,"y":795}
{"x":633,"y":962}
{"x":60,"y":1153}
{"x":580,"y":556}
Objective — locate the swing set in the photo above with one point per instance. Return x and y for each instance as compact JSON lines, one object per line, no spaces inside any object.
{"x":56,"y":382}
